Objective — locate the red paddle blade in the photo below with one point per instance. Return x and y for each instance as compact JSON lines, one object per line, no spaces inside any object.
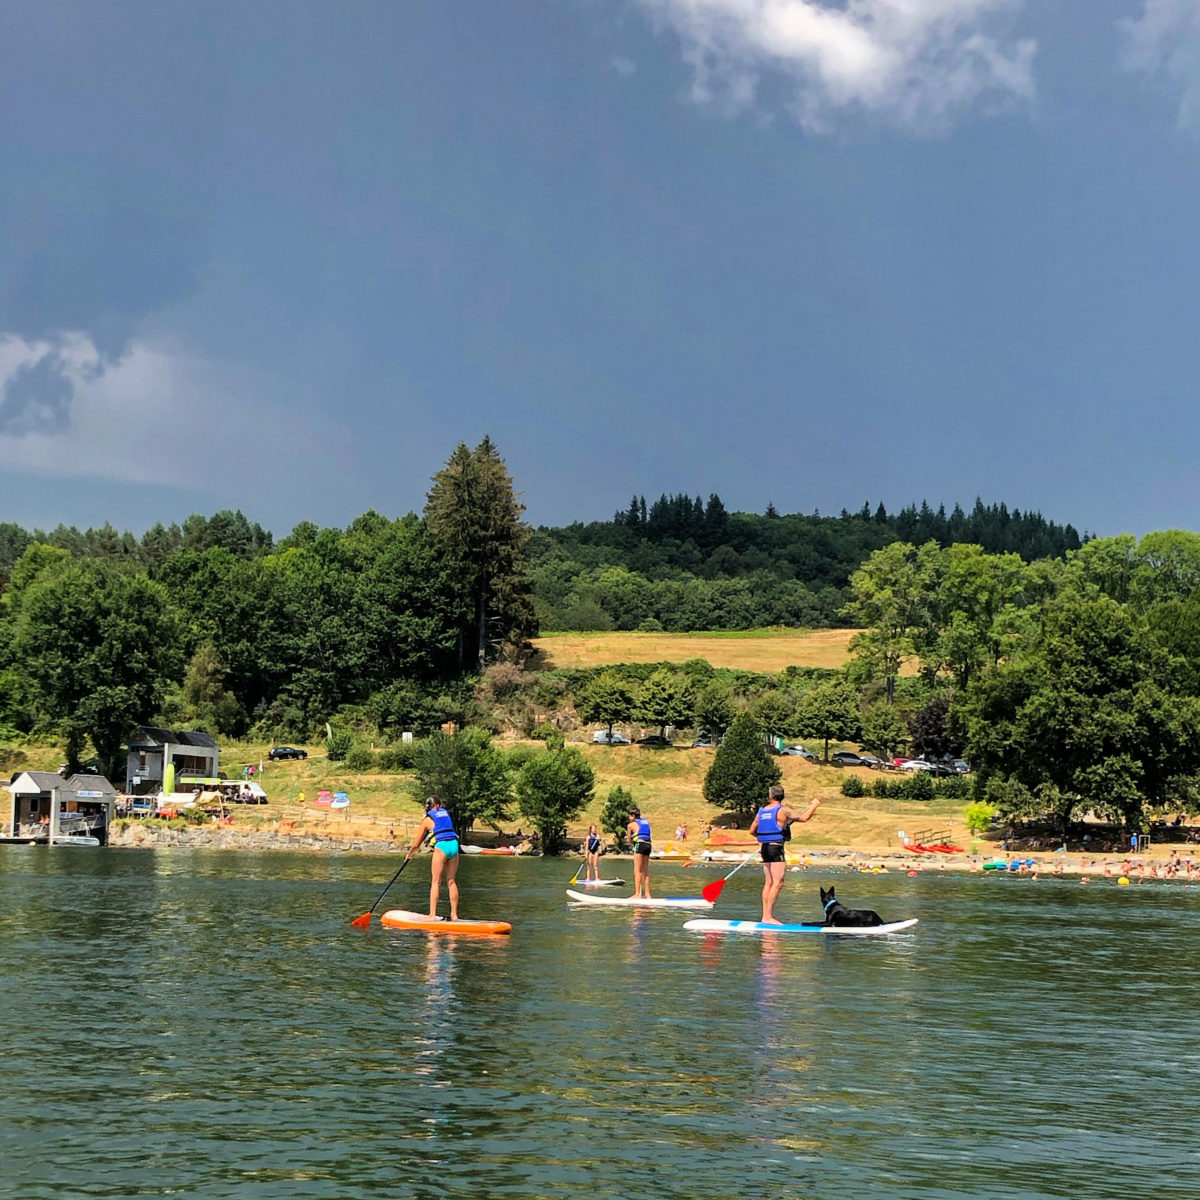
{"x":362,"y":922}
{"x":710,"y":891}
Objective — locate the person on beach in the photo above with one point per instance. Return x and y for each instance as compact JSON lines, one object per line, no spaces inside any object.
{"x":638,"y":830}
{"x":591,"y":850}
{"x":771,"y":826}
{"x":439,"y":829}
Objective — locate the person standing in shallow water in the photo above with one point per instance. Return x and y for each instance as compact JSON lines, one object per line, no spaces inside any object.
{"x":771,"y":826}
{"x":638,"y":830}
{"x":438,"y":827}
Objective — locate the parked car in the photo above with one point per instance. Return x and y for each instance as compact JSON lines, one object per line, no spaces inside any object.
{"x":961,"y":767}
{"x":278,"y":752}
{"x":871,"y":761}
{"x":847,"y":758}
{"x":656,"y":740}
{"x":603,"y":738}
{"x":799,"y":752}
{"x":915,"y":764}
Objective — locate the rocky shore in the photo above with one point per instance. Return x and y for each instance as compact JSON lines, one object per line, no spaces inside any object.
{"x":213,"y":837}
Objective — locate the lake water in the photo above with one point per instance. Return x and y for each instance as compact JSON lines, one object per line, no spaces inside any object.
{"x":207,"y":1024}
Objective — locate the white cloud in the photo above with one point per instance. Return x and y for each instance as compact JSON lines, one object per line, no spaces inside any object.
{"x":913,"y":63}
{"x":622,"y":65}
{"x":1165,"y":39}
{"x":156,"y":415}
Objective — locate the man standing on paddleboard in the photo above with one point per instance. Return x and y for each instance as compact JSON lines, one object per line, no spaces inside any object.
{"x":638,"y":830}
{"x":771,"y":827}
{"x":439,"y":828}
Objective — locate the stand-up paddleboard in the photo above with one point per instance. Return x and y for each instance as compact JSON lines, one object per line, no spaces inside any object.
{"x":710,"y":925}
{"x":633,"y":901}
{"x":599,"y":882}
{"x":398,"y":918}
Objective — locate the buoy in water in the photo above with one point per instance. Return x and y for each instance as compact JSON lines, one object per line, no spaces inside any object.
{"x":1123,"y":881}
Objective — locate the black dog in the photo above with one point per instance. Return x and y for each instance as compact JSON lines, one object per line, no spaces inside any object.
{"x":836,"y":913}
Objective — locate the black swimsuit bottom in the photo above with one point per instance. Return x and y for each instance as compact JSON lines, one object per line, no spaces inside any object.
{"x":772,"y":852}
{"x":642,"y":848}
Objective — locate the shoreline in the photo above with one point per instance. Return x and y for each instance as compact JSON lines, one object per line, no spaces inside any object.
{"x":1158,"y":862}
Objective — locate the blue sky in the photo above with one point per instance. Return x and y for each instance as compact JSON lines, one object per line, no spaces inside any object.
{"x":283,"y":256}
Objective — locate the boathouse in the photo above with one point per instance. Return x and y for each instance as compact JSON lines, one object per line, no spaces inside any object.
{"x":45,"y":807}
{"x":152,"y":750}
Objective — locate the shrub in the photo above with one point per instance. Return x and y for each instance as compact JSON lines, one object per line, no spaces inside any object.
{"x":881,"y":788}
{"x":979,"y":816}
{"x":360,"y":758}
{"x":852,"y":785}
{"x":399,"y":757}
{"x":917,"y":787}
{"x":338,"y":745}
{"x":955,"y":787}
{"x":11,"y":758}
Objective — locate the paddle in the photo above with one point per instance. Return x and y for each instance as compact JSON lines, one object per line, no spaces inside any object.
{"x":365,"y":920}
{"x":710,"y":891}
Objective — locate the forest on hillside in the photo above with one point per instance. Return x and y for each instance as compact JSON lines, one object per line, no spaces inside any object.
{"x":680,"y":564}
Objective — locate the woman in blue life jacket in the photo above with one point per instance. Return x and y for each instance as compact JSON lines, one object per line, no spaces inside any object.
{"x":638,"y":830}
{"x":591,"y":850}
{"x":439,"y":829}
{"x":771,"y":827}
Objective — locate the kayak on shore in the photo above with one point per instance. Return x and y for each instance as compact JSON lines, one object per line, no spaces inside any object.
{"x":399,"y":918}
{"x":711,"y":925}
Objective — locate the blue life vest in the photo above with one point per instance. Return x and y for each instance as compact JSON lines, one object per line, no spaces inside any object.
{"x":643,"y":829}
{"x":443,"y":826}
{"x":769,"y":829}
{"x":593,"y":843}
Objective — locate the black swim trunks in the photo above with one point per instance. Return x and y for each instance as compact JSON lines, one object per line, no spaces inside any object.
{"x":772,"y":852}
{"x":642,"y":848}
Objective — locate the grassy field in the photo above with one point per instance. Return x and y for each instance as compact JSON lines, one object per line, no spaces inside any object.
{"x":666,"y":784}
{"x":764,"y":650}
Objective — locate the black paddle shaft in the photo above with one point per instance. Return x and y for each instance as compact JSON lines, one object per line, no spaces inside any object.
{"x":389,"y":884}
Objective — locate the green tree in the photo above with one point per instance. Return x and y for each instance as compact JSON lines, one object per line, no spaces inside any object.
{"x":99,"y":645}
{"x":884,"y":731}
{"x":890,"y":598}
{"x":666,"y":698}
{"x":206,"y":703}
{"x":714,"y":709}
{"x":467,"y":773}
{"x":606,"y":700}
{"x":615,"y":818}
{"x":829,"y":711}
{"x":776,"y":712}
{"x":473,"y":512}
{"x":742,"y":770}
{"x":1084,"y":722}
{"x":553,"y":788}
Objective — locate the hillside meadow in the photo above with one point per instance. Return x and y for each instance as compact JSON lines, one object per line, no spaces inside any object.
{"x":665,"y":783}
{"x":767,"y":651}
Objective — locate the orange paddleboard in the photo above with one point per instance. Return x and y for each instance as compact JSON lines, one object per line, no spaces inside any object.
{"x":398,"y":918}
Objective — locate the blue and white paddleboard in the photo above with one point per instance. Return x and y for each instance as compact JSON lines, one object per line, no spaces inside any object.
{"x":710,"y":925}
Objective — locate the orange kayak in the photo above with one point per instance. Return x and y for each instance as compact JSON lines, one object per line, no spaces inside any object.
{"x":398,"y":918}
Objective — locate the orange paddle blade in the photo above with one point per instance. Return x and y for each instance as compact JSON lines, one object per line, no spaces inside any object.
{"x":362,"y":922}
{"x":710,"y":891}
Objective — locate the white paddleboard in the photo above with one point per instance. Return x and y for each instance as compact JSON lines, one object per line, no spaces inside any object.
{"x":710,"y":925}
{"x":632,"y":901}
{"x":599,"y":882}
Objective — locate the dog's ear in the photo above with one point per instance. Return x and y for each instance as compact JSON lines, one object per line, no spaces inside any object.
{"x":831,"y":895}
{"x":825,"y":895}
